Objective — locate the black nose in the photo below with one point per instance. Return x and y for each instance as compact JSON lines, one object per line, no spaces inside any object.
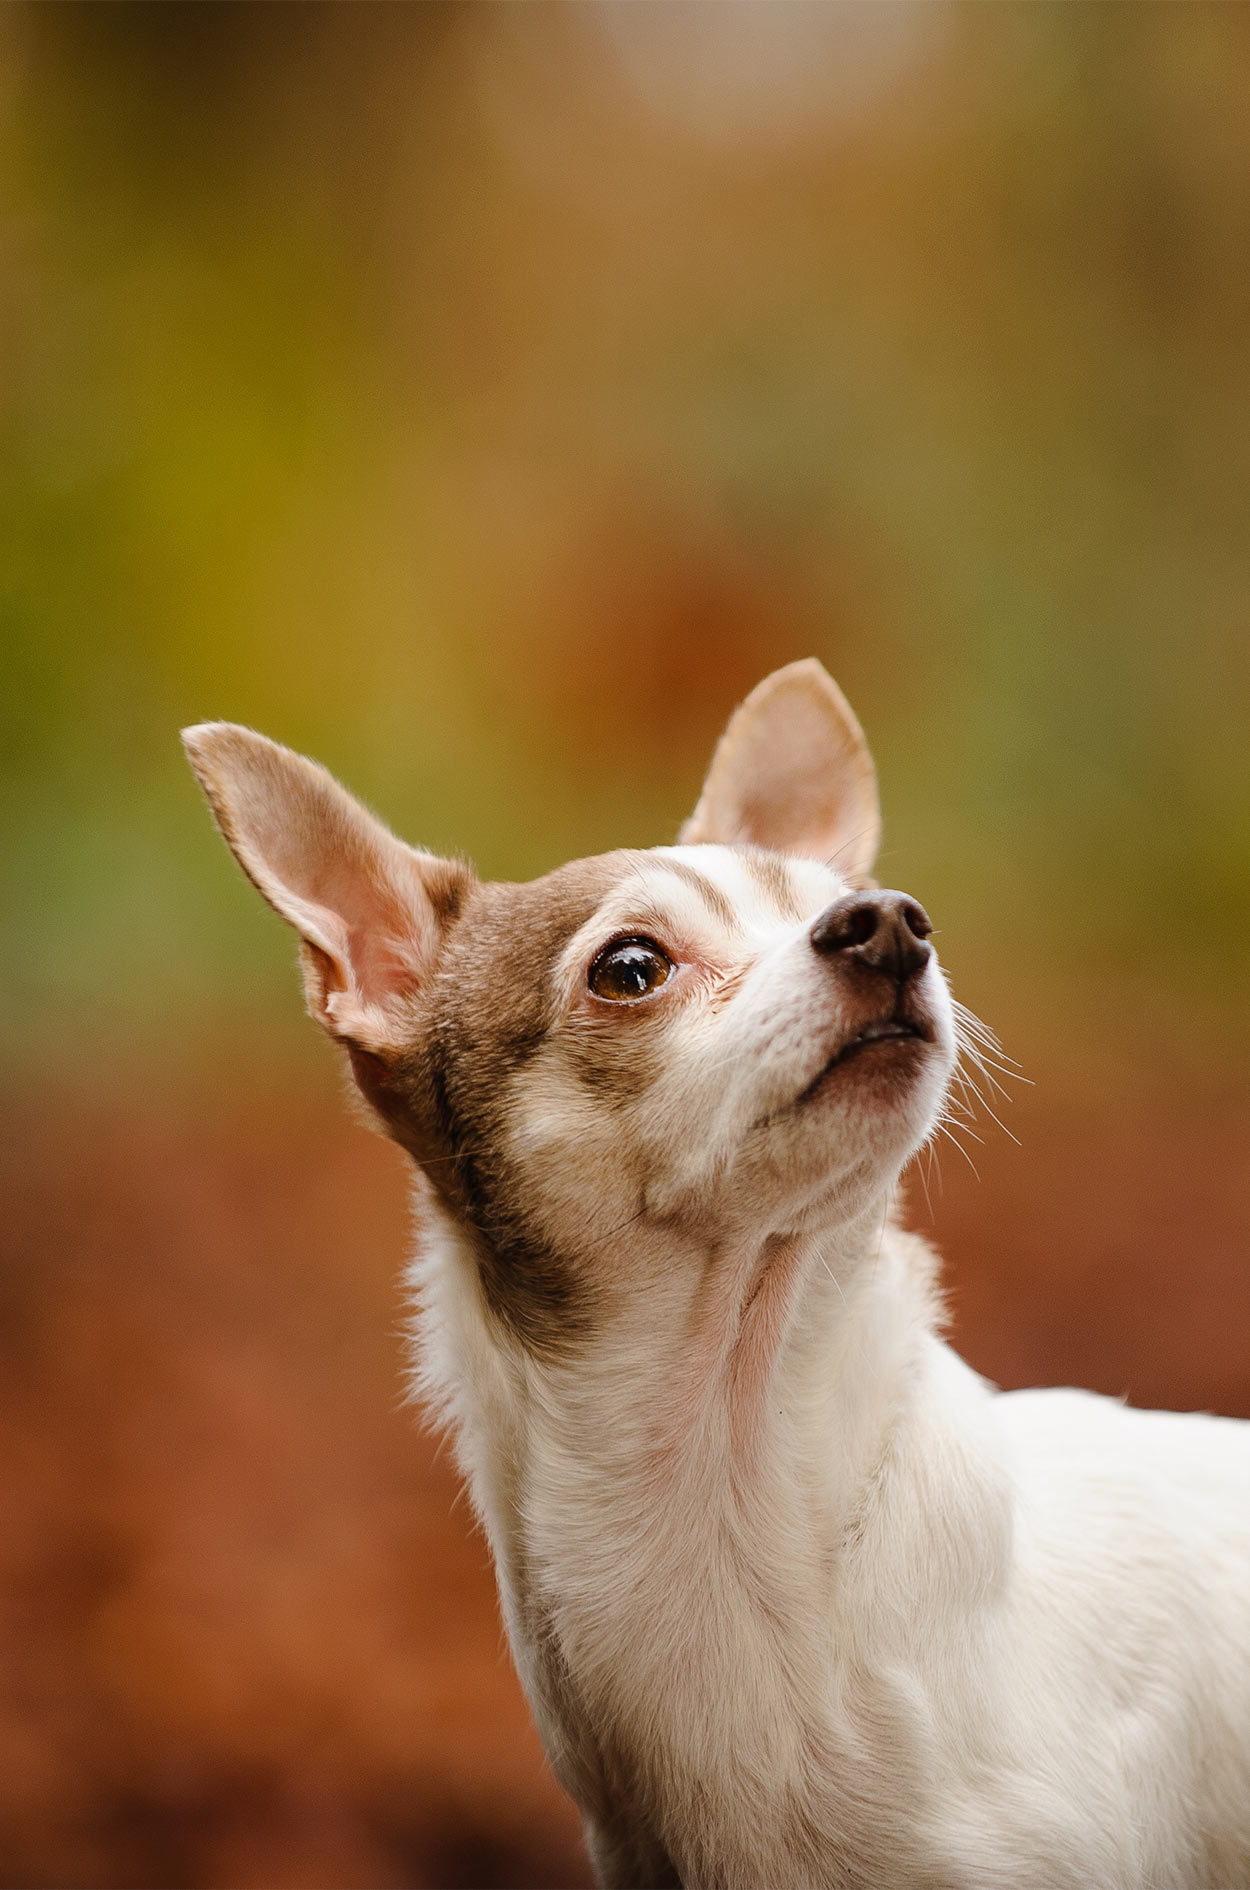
{"x":887,"y":930}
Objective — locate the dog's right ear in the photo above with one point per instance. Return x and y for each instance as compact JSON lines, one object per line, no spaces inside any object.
{"x":370,"y":910}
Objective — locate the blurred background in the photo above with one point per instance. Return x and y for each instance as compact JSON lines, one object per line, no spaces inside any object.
{"x":482,"y":398}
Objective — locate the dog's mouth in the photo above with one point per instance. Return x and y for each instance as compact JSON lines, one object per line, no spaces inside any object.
{"x":885,"y":1033}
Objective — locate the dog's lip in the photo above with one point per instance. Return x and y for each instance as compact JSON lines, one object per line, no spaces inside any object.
{"x":878,"y":1030}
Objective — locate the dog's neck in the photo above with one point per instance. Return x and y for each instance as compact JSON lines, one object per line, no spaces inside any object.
{"x":670,"y":1510}
{"x":738,"y":1361}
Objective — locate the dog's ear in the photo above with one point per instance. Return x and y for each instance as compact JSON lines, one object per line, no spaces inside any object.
{"x":792,"y":772}
{"x":370,"y":911}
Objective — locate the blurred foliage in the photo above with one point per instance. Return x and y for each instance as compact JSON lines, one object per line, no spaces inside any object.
{"x":468,"y":396}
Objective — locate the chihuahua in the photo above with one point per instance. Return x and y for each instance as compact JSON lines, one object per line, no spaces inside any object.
{"x":796,"y":1597}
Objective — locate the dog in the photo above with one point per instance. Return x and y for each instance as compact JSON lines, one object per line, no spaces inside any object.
{"x":797,"y":1598}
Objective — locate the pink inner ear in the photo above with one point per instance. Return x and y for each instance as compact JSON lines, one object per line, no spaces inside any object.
{"x":346,"y":891}
{"x":368,"y":908}
{"x":789,"y":815}
{"x":792,"y":773}
{"x":385,"y":963}
{"x":379,"y":909}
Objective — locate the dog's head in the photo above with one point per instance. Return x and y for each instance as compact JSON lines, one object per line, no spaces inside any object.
{"x":738,"y":1032}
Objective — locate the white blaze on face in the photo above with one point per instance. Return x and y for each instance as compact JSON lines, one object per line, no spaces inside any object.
{"x":768,"y":891}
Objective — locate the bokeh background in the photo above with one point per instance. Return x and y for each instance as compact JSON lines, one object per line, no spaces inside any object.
{"x":481,"y":398}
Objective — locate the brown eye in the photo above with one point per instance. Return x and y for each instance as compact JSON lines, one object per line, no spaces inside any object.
{"x":631,"y":968}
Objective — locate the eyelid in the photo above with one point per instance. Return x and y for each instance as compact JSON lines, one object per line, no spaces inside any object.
{"x":633,"y":937}
{"x":646,"y":940}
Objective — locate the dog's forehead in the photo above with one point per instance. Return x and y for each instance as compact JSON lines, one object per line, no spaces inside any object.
{"x":741,"y":891}
{"x":728,"y":900}
{"x":745,"y":890}
{"x":734,"y":898}
{"x":738,"y":896}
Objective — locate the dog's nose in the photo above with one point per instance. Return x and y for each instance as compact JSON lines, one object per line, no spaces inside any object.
{"x":887,"y":930}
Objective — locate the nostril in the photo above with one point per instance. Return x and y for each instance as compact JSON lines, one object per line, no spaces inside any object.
{"x":881,"y":931}
{"x":846,"y":924}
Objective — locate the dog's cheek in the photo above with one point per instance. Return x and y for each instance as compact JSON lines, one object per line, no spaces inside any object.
{"x":683,"y":1132}
{"x":736,"y":1075}
{"x":575,"y":1162}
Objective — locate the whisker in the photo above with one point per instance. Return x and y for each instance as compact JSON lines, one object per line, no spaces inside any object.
{"x":853,"y":840}
{"x":980,"y":1055}
{"x":943,"y":1129}
{"x":927,"y":1152}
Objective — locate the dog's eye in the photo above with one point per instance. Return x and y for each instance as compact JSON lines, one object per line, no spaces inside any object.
{"x":630,"y":968}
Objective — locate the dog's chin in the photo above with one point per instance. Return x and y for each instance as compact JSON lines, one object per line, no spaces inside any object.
{"x":876,"y":1059}
{"x":876,"y":1099}
{"x":859,"y":1119}
{"x":885,"y":1062}
{"x":886,"y":1080}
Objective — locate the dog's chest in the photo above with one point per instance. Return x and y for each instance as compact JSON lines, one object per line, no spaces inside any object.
{"x":676,"y":1663}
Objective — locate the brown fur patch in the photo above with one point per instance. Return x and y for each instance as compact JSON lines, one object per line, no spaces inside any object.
{"x":492,"y":1003}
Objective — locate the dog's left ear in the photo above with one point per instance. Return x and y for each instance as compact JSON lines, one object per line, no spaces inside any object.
{"x":792,"y":772}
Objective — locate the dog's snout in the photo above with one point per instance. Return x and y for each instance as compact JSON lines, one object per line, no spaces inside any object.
{"x":888,"y":931}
